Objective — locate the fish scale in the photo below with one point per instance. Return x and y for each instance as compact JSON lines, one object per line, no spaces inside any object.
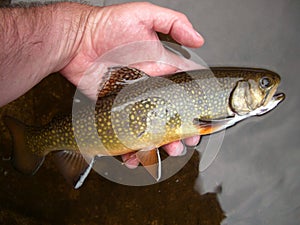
{"x":136,"y":113}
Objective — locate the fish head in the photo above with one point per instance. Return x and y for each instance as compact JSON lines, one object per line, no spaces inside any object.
{"x":254,"y":90}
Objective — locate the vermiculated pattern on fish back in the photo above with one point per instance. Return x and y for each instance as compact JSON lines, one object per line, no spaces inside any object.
{"x":136,"y":113}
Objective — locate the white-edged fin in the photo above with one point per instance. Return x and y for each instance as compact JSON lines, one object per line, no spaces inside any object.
{"x":204,"y":122}
{"x":84,"y":175}
{"x":73,"y":166}
{"x":159,"y":165}
{"x":151,"y":160}
{"x":216,"y":140}
{"x":212,"y":126}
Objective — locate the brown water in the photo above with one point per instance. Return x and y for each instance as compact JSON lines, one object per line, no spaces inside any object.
{"x":255,"y":175}
{"x":46,"y":198}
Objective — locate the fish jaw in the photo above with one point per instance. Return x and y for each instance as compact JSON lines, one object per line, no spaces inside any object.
{"x":212,"y":126}
{"x":275,"y":100}
{"x":272,"y":104}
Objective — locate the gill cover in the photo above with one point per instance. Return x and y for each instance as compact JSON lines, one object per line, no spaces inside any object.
{"x":240,"y":98}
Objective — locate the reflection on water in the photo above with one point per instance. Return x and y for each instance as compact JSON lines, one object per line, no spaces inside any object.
{"x":258,"y":164}
{"x":258,"y":173}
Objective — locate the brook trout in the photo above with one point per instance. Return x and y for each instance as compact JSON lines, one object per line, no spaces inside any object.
{"x":138,"y":113}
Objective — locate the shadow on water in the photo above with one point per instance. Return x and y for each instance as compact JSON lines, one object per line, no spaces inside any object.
{"x":46,"y":197}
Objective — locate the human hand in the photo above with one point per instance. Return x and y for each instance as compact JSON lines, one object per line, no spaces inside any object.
{"x":110,"y":27}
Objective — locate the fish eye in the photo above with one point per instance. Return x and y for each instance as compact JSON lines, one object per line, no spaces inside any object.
{"x":265,"y":82}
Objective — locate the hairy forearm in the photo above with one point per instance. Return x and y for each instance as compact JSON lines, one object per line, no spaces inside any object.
{"x":35,"y":42}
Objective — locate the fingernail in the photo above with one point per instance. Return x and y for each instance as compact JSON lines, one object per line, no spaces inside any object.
{"x":184,"y":151}
{"x":131,"y":163}
{"x":200,"y":36}
{"x":192,"y":141}
{"x":178,"y":150}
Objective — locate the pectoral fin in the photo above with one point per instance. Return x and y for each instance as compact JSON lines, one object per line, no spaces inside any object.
{"x":151,"y":161}
{"x":73,"y":166}
{"x":212,"y":126}
{"x":116,"y":77}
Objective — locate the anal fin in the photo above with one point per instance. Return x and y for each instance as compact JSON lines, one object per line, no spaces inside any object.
{"x":151,"y":161}
{"x":73,"y":167}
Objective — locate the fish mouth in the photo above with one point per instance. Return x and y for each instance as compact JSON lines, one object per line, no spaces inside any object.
{"x":275,"y":100}
{"x":278,"y":97}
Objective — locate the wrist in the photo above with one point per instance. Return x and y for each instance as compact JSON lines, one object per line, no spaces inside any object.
{"x":70,"y":21}
{"x":36,"y":41}
{"x":47,"y":34}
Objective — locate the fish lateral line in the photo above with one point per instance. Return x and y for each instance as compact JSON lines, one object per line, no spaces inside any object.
{"x":30,"y":150}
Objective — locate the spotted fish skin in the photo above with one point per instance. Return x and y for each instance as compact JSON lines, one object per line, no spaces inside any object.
{"x":153,"y":111}
{"x":135,"y":113}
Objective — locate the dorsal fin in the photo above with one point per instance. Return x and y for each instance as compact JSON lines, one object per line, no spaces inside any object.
{"x":116,"y":77}
{"x":73,"y":166}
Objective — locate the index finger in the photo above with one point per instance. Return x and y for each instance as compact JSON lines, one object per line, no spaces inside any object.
{"x":176,"y":24}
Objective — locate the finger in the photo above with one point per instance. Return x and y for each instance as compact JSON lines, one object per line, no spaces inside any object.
{"x":162,"y":61}
{"x":177,"y":24}
{"x":186,"y":35}
{"x":174,"y":149}
{"x":155,"y":68}
{"x":192,"y":141}
{"x":130,"y":160}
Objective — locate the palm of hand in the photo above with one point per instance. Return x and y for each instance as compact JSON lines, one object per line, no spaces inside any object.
{"x":114,"y":26}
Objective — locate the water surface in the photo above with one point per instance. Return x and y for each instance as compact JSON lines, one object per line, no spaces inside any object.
{"x":253,"y":180}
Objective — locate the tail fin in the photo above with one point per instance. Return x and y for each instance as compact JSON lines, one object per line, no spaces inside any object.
{"x":23,"y":158}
